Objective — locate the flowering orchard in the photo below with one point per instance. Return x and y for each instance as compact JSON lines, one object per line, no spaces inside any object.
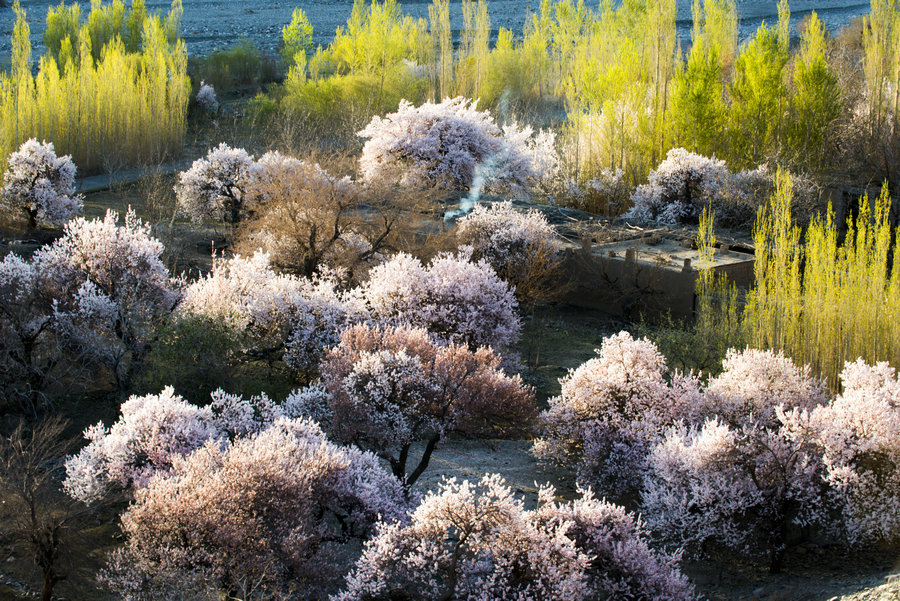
{"x":747,"y":462}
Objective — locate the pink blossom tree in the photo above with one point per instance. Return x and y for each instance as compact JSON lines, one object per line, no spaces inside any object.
{"x":477,"y":541}
{"x":392,"y":387}
{"x":40,"y":184}
{"x":269,"y":514}
{"x":455,"y":299}
{"x":522,"y":247}
{"x":750,"y":476}
{"x":152,"y":431}
{"x":612,"y":411}
{"x":859,"y":433}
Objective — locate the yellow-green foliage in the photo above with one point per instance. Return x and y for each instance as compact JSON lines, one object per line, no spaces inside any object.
{"x":718,"y":326}
{"x":474,"y":51}
{"x":759,"y":99}
{"x":881,"y":43}
{"x":825,"y":303}
{"x":816,"y":101}
{"x":368,"y":68}
{"x":376,"y":39}
{"x":104,"y":105}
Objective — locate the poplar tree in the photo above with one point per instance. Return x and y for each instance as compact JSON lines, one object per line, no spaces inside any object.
{"x":816,"y":102}
{"x":758,"y":99}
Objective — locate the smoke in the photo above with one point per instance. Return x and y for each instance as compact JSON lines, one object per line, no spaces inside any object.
{"x":482,"y":172}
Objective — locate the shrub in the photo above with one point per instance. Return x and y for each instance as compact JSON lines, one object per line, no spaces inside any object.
{"x":455,"y":299}
{"x":40,"y":184}
{"x":239,"y":66}
{"x":265,"y":515}
{"x":477,"y":540}
{"x":612,"y":411}
{"x":393,"y":387}
{"x":523,"y":248}
{"x":195,"y":355}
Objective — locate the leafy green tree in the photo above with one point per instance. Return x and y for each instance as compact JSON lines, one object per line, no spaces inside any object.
{"x":759,"y":99}
{"x":697,"y":114}
{"x":297,"y":38}
{"x":816,"y":103}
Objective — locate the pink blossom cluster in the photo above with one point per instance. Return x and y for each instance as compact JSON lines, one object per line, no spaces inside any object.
{"x":859,"y":432}
{"x":457,"y":300}
{"x":611,"y":412}
{"x":301,"y":315}
{"x":41,"y":184}
{"x":443,"y":144}
{"x":255,"y":518}
{"x":394,"y":386}
{"x":477,"y":541}
{"x":206,"y":98}
{"x":507,"y":238}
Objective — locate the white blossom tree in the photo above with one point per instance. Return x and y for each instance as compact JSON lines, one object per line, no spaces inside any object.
{"x":859,"y":433}
{"x":151,"y":432}
{"x":40,"y":184}
{"x":215,"y":187}
{"x":280,"y":314}
{"x":455,"y":299}
{"x":108,"y":285}
{"x":522,"y":247}
{"x":206,"y":98}
{"x":445,"y":144}
{"x":679,"y":188}
{"x":612,"y":411}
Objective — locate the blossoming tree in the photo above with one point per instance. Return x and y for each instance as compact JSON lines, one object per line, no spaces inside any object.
{"x":468,"y":541}
{"x":392,"y":387}
{"x":40,"y":184}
